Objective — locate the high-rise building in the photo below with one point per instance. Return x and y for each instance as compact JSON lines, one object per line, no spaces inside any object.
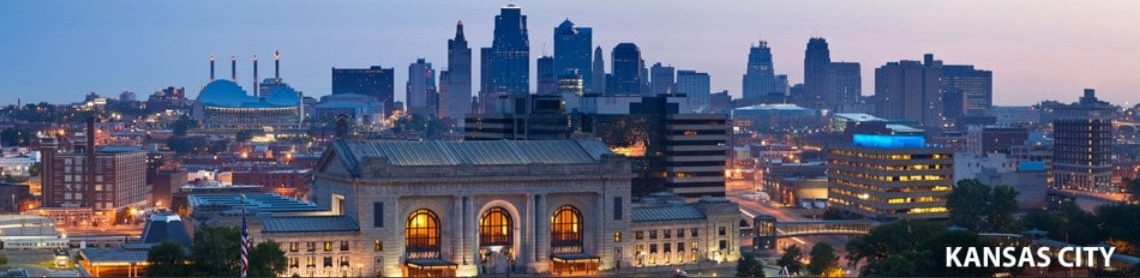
{"x":422,"y":96}
{"x":627,"y":78}
{"x":91,"y":185}
{"x":547,"y":80}
{"x":694,"y":85}
{"x":888,"y":171}
{"x":598,"y":73}
{"x":1082,"y":145}
{"x":966,"y":91}
{"x":572,"y":46}
{"x":845,"y":84}
{"x":509,"y":55}
{"x":817,"y":58}
{"x":911,"y":90}
{"x":759,"y":77}
{"x":455,"y":103}
{"x":662,"y":80}
{"x":374,"y":81}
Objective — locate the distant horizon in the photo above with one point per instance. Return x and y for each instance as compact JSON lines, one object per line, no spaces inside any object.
{"x":58,"y":51}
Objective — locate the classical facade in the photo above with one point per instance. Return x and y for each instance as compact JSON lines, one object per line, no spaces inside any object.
{"x":430,"y":208}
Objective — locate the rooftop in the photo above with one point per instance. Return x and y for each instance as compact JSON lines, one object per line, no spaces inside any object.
{"x":441,"y":153}
{"x":264,"y":202}
{"x":309,"y":224}
{"x":666,"y":213}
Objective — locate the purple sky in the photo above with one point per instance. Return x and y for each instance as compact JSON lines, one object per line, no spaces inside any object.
{"x":57,"y":51}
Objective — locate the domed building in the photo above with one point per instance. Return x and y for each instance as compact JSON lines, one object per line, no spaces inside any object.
{"x":224,"y":104}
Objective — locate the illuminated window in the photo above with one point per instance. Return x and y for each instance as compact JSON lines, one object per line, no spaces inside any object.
{"x":421,"y":235}
{"x":328,"y":246}
{"x":566,"y":230}
{"x":377,"y":246}
{"x":495,"y":228}
{"x":617,"y":236}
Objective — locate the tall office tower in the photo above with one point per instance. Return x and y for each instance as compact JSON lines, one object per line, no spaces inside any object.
{"x":966,"y":91}
{"x":572,"y":51}
{"x":627,"y":68}
{"x":571,"y":87}
{"x":486,"y":86}
{"x":509,"y":54}
{"x":374,"y":81}
{"x":662,"y":80}
{"x":456,"y":102}
{"x":911,"y":90}
{"x":547,"y":80}
{"x":694,"y":85}
{"x":598,"y":74}
{"x":846,"y":85}
{"x":782,"y":86}
{"x":1082,"y":146}
{"x":888,"y":171}
{"x":759,"y":78}
{"x":421,"y":94}
{"x":817,"y":58}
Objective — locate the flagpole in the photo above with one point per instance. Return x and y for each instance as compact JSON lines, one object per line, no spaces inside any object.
{"x":244,"y":241}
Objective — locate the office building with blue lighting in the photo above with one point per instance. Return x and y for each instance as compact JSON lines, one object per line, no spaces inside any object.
{"x":888,"y":171}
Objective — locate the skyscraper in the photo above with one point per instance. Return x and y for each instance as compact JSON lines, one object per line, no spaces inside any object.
{"x":662,"y":80}
{"x":572,"y":50}
{"x":817,"y":58}
{"x":911,"y":90}
{"x":456,"y":101}
{"x":695,"y":85}
{"x":759,"y":77}
{"x":374,"y":81}
{"x":509,"y":54}
{"x":422,"y":96}
{"x":598,"y":73}
{"x":1082,"y":147}
{"x":627,"y":69}
{"x":966,"y":91}
{"x":547,"y":80}
{"x":845,"y":84}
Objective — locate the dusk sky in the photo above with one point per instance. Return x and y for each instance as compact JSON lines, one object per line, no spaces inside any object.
{"x":57,"y":51}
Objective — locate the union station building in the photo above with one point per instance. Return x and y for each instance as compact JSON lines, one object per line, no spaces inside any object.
{"x":432,"y":208}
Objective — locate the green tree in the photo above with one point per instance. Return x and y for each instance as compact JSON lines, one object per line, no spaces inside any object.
{"x":792,"y":259}
{"x":978,"y":207}
{"x":890,"y":239}
{"x":267,"y":260}
{"x":183,"y":125}
{"x":822,"y":258}
{"x":167,"y":259}
{"x":967,"y":204}
{"x":3,"y":259}
{"x":216,"y":251}
{"x":748,"y":266}
{"x":1067,"y":223}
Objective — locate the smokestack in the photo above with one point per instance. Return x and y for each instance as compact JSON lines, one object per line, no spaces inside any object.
{"x":233,"y":68}
{"x":90,"y":195}
{"x":211,"y":67}
{"x":277,"y":66}
{"x":255,"y":91}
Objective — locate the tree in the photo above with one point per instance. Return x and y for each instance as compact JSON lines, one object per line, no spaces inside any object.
{"x":792,"y":259}
{"x":183,"y":125}
{"x":978,"y":207}
{"x":267,"y":260}
{"x":890,"y":239}
{"x":1067,"y":223}
{"x":748,"y":266}
{"x":167,"y":259}
{"x":216,"y":251}
{"x":3,"y":259}
{"x":822,"y":258}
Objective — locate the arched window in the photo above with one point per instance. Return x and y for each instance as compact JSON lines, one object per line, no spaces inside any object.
{"x":566,"y":230}
{"x":495,"y":228}
{"x":421,"y":235}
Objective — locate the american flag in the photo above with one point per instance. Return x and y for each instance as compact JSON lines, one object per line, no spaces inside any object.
{"x":244,"y":241}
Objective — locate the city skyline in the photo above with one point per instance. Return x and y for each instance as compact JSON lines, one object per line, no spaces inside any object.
{"x":1019,"y":42}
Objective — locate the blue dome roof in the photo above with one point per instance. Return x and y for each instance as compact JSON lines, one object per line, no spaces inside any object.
{"x":223,"y":92}
{"x":283,"y":95}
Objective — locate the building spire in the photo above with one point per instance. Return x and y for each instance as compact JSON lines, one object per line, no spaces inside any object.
{"x":211,"y":67}
{"x":233,"y":68}
{"x":277,"y":66}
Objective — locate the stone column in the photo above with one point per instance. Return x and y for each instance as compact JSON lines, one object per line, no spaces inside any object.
{"x":526,"y":227}
{"x":458,"y":229}
{"x":470,"y":232}
{"x":600,"y":231}
{"x":541,"y":235}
